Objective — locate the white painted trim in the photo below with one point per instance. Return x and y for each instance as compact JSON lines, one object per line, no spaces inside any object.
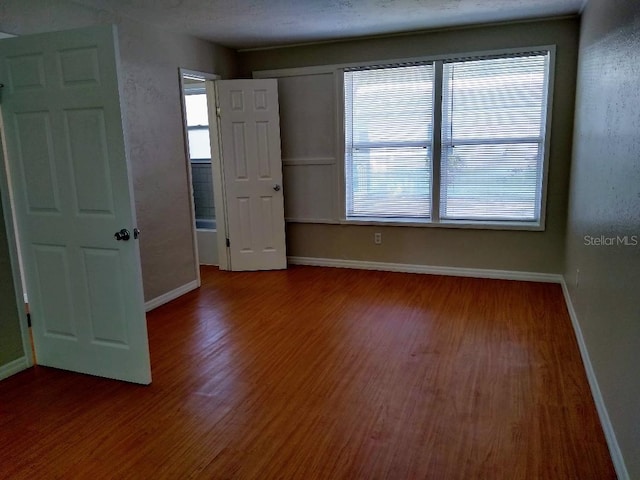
{"x":428,"y":269}
{"x":13,"y":241}
{"x":605,"y":421}
{"x":187,"y":156}
{"x":321,"y":221}
{"x":308,"y":161}
{"x":172,"y":295}
{"x":430,"y":223}
{"x":219,"y":185}
{"x":14,"y":367}
{"x":183,"y":89}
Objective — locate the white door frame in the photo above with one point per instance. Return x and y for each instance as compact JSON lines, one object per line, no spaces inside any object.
{"x":218,"y":196}
{"x":217,"y":166}
{"x":6,"y":196}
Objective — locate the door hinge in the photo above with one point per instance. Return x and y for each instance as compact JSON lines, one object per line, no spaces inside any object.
{"x":218,"y":112}
{"x":29,"y":320}
{"x":228,"y":243}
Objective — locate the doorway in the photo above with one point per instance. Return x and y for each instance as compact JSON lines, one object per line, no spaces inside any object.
{"x":198,"y":145}
{"x":232,"y":145}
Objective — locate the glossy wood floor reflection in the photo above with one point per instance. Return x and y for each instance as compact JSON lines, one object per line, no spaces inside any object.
{"x":318,"y":373}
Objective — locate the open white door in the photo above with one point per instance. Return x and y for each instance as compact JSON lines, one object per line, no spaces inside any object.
{"x":252,"y":166}
{"x":69,"y":174}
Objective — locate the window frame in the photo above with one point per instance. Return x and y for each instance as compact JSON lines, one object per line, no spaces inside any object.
{"x":427,"y":143}
{"x":436,"y":142}
{"x":195,"y":90}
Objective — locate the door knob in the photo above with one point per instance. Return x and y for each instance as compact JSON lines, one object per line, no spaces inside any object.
{"x":276,"y":187}
{"x":122,"y":235}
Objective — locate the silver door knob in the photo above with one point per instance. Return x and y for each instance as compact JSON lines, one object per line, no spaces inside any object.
{"x":276,"y":187}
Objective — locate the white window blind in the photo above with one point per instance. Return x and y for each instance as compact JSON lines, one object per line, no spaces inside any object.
{"x":199,"y":146}
{"x":388,"y":132}
{"x":493,"y":127}
{"x":197,"y":127}
{"x":196,"y":107}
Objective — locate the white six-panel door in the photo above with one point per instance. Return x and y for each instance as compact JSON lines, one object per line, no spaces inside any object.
{"x":252,"y":167}
{"x":70,"y":179}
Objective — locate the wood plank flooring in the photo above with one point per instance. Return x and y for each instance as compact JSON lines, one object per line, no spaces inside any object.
{"x":319,"y":373}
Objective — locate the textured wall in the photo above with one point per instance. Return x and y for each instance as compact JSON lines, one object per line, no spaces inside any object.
{"x":10,"y":334}
{"x":492,"y":249}
{"x":605,"y":201}
{"x":150,"y":62}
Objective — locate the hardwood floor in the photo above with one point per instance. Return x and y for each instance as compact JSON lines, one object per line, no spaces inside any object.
{"x":318,"y":373}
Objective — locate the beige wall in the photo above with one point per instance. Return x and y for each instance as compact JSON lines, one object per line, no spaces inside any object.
{"x":150,"y":60}
{"x":10,"y":334}
{"x":605,"y":200}
{"x":507,"y":250}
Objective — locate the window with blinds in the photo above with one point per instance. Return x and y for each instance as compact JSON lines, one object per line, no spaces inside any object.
{"x":388,"y":132}
{"x":493,"y":123}
{"x":489,"y":151}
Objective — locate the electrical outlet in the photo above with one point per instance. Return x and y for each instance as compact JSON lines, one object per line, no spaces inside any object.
{"x":577,"y":277}
{"x":377,"y":238}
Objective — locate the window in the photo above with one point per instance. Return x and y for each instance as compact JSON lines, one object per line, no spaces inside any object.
{"x":388,"y":134}
{"x":475,"y":157}
{"x":198,"y":125}
{"x":200,"y":155}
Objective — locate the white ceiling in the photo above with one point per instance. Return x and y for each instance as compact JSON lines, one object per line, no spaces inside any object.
{"x":262,"y":23}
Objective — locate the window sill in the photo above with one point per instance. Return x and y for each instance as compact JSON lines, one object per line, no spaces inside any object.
{"x":465,"y":224}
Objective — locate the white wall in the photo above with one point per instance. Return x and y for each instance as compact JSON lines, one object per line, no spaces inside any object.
{"x":605,"y":201}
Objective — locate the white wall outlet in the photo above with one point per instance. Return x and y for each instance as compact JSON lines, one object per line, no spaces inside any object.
{"x":377,"y":238}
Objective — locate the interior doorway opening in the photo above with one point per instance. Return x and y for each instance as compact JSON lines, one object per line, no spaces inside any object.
{"x":198,"y":143}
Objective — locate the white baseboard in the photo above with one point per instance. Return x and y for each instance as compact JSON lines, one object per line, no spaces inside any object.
{"x":13,"y":367}
{"x":172,"y":295}
{"x":605,"y":421}
{"x":427,"y":269}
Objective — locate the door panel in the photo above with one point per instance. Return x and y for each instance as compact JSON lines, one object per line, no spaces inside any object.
{"x":34,"y":141}
{"x":85,"y":130}
{"x":54,"y":282}
{"x":252,"y":166}
{"x":70,"y":178}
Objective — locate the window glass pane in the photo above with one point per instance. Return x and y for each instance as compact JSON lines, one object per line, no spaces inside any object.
{"x":391,"y":182}
{"x":491,"y":182}
{"x":199,"y":147}
{"x":203,"y":191}
{"x":493,"y":120}
{"x":196,"y":107}
{"x":388,"y":127}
